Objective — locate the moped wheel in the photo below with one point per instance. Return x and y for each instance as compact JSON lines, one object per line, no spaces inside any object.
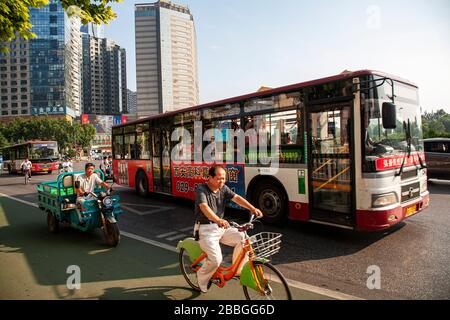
{"x":112,"y":234}
{"x":186,"y":270}
{"x":52,"y":223}
{"x":275,"y":285}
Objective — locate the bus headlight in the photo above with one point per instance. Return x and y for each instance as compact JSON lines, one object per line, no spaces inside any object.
{"x":383,"y":200}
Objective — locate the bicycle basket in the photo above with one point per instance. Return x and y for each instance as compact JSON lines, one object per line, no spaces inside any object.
{"x":266,"y":244}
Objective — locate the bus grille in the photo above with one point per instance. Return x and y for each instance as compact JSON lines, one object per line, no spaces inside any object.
{"x":410,"y":192}
{"x":409,"y":174}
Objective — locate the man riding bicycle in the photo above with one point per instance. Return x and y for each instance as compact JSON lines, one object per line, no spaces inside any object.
{"x":26,"y":166}
{"x":211,"y":227}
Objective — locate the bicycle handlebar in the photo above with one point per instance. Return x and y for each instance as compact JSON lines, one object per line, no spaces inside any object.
{"x":246,"y":226}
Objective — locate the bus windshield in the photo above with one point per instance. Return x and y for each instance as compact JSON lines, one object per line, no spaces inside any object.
{"x":382,"y":143}
{"x":43,"y":151}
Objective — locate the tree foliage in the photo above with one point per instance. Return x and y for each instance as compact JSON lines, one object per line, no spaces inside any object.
{"x":72,"y":136}
{"x":436,"y":124}
{"x":15,"y":16}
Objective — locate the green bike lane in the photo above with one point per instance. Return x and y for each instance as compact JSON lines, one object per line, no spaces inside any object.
{"x":34,"y":264}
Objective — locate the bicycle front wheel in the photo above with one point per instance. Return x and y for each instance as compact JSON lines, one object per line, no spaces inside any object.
{"x":274,"y":284}
{"x":186,"y":269}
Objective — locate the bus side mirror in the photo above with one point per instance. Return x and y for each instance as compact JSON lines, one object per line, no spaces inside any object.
{"x":389,"y":115}
{"x":77,"y":184}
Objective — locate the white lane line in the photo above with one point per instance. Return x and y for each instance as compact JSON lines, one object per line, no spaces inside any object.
{"x":164,"y":235}
{"x":293,"y":283}
{"x":149,"y":241}
{"x":187,"y":229}
{"x":180,"y":236}
{"x":20,"y":200}
{"x":322,"y":291}
{"x":131,"y":210}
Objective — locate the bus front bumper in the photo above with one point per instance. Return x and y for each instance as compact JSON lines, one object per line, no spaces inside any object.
{"x":378,"y":220}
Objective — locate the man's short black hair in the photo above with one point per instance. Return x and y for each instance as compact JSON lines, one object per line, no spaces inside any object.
{"x":213,"y":170}
{"x":89,"y":164}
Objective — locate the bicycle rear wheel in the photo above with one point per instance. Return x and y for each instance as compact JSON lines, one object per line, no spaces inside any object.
{"x":275,"y":285}
{"x":186,"y":270}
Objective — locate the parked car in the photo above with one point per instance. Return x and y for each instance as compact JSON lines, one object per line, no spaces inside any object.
{"x":437,"y":154}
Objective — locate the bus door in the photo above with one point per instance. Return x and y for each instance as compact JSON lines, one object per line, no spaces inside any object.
{"x":156,"y":160}
{"x":330,"y":166}
{"x":162,"y":174}
{"x":166,"y":161}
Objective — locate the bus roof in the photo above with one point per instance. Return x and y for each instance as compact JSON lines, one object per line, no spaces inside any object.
{"x":341,"y":76}
{"x":30,"y":142}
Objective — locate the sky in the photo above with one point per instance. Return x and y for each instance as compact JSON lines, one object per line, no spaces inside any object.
{"x":245,"y":44}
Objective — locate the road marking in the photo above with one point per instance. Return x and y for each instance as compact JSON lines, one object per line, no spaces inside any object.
{"x":293,"y":283}
{"x":144,"y":213}
{"x":164,"y":235}
{"x":149,"y":241}
{"x":20,"y":200}
{"x":322,"y":291}
{"x":179,"y":236}
{"x":187,"y":229}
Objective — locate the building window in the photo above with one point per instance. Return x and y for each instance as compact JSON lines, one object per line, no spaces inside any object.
{"x":24,"y":104}
{"x":53,"y":31}
{"x":4,"y":113}
{"x":24,"y":111}
{"x":53,"y":7}
{"x":53,"y":19}
{"x":14,"y":112}
{"x":14,"y":105}
{"x":4,"y":105}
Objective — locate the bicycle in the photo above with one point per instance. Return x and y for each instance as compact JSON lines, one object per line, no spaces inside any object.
{"x":27,"y":176}
{"x":259,"y":278}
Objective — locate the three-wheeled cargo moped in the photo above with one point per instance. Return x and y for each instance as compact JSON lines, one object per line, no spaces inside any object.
{"x":58,"y":200}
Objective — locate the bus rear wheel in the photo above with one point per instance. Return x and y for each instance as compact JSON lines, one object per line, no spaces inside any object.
{"x":142,"y":184}
{"x":271,"y":200}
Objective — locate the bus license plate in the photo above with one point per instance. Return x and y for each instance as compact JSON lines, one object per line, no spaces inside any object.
{"x":44,"y":169}
{"x":410,"y":211}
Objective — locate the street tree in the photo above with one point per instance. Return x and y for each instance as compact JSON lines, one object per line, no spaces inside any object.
{"x":15,"y":16}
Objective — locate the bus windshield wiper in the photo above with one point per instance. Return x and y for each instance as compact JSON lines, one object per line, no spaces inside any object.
{"x":407,"y":129}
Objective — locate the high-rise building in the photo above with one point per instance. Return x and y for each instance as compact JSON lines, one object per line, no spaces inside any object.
{"x":42,"y":76}
{"x":104,"y":82}
{"x":166,"y":58}
{"x":132,"y":101}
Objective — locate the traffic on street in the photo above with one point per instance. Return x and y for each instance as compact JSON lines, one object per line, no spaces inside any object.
{"x":319,"y":262}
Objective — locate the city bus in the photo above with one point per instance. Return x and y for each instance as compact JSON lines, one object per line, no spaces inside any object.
{"x":348,"y":151}
{"x":43,"y":155}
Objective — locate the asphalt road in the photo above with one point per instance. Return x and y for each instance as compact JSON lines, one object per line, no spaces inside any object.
{"x":321,"y":262}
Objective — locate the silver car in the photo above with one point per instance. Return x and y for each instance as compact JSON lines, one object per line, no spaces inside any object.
{"x":437,"y":154}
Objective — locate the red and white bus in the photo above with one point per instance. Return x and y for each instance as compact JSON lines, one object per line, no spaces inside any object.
{"x":349,"y":151}
{"x":42,"y":154}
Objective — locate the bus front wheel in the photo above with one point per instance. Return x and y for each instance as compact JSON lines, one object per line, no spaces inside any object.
{"x":142,"y":184}
{"x":271,"y":200}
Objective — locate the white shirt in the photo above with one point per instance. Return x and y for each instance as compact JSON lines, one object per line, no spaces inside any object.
{"x":89,"y":184}
{"x":26,"y":165}
{"x":67,"y":164}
